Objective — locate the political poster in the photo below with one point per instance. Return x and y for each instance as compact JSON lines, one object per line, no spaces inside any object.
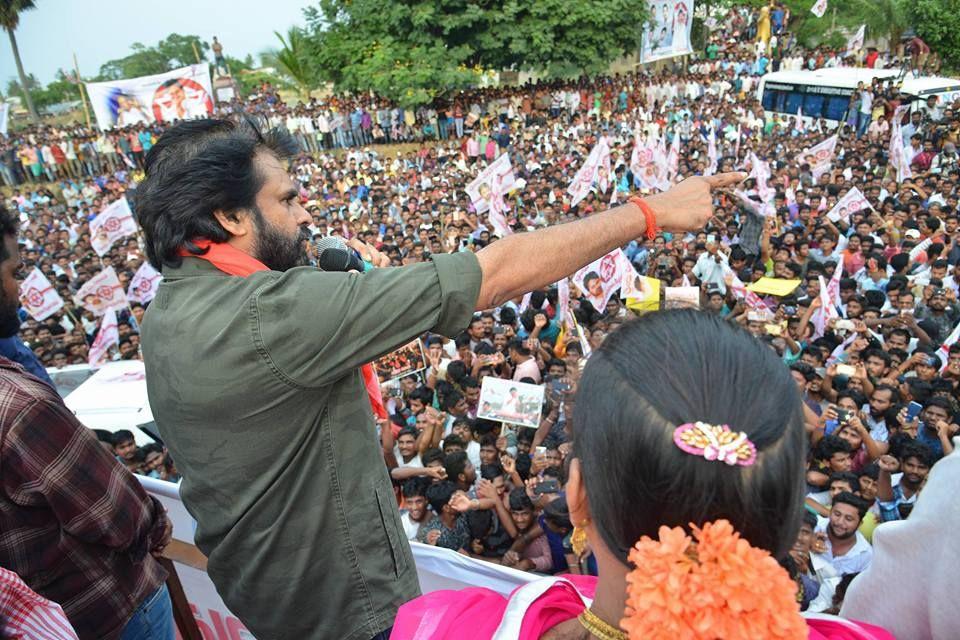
{"x":594,"y":171}
{"x":38,"y":296}
{"x":143,"y":287}
{"x":512,"y":402}
{"x":819,"y":8}
{"x":406,"y":360}
{"x":113,"y":223}
{"x":851,"y":202}
{"x":601,"y":278}
{"x":667,"y":33}
{"x":181,"y":94}
{"x":649,"y":166}
{"x":494,"y":181}
{"x":855,"y":43}
{"x":102,"y":293}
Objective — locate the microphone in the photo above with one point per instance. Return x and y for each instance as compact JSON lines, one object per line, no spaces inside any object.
{"x":334,"y":255}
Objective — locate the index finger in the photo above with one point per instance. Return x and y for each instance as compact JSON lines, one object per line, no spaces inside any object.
{"x":728,"y":179}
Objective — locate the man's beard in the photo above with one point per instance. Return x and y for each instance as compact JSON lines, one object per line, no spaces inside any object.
{"x":278,"y":251}
{"x":835,"y":534}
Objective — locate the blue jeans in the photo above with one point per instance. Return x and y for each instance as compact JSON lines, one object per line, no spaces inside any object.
{"x":153,"y":620}
{"x":383,"y":635}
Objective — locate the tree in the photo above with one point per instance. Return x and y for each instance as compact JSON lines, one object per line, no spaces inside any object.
{"x":170,"y":53}
{"x":292,"y":60}
{"x":937,"y":22}
{"x":884,"y":18}
{"x":412,"y":50}
{"x":10,"y":11}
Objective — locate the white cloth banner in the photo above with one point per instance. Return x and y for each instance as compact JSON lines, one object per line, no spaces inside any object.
{"x":181,"y":94}
{"x":819,"y":8}
{"x":822,"y":156}
{"x":856,"y":40}
{"x":649,"y":166}
{"x":108,"y":336}
{"x":102,"y":293}
{"x":143,"y":287}
{"x":601,"y":278}
{"x":4,"y":117}
{"x":437,"y":569}
{"x":595,"y":170}
{"x":712,"y":156}
{"x":667,"y":33}
{"x":38,"y":296}
{"x":481,"y":188}
{"x":113,"y":223}
{"x":897,"y":152}
{"x":851,"y":202}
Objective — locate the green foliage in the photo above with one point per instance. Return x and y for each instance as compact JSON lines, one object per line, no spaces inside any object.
{"x":884,"y":18}
{"x":938,"y":23}
{"x":413,"y":50}
{"x":170,"y":53}
{"x":292,"y":60}
{"x":62,"y":89}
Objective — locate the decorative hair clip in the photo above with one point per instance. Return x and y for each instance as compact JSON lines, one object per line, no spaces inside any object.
{"x":715,"y":442}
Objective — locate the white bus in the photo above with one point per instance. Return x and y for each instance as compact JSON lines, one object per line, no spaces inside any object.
{"x":825,"y":93}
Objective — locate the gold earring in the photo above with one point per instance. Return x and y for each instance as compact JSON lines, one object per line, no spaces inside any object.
{"x":578,"y":540}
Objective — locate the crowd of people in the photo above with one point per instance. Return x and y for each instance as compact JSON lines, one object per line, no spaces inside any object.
{"x":872,"y":356}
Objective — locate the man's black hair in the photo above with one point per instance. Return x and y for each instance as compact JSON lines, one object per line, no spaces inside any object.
{"x":439,"y":493}
{"x":415,"y":487}
{"x":828,"y":446}
{"x":846,"y":476}
{"x":198,"y":167}
{"x":9,"y":227}
{"x":855,"y":501}
{"x":121,"y":436}
{"x":455,"y":464}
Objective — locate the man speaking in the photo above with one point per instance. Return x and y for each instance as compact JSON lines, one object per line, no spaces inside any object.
{"x":253,"y":369}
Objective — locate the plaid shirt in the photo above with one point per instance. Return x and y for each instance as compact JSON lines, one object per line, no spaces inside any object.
{"x":74,"y":523}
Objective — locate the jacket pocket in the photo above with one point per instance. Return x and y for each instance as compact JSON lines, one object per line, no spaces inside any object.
{"x":388,"y":518}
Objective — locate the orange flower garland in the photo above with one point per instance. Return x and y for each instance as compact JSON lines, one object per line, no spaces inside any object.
{"x":717,"y":587}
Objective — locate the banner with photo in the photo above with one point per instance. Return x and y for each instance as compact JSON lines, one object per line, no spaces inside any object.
{"x":601,"y":278}
{"x":495,"y":180}
{"x":851,"y":202}
{"x":667,"y":33}
{"x":406,"y":360}
{"x":508,"y":401}
{"x":181,"y":94}
{"x":111,"y":224}
{"x":594,"y":171}
{"x":101,"y":293}
{"x":144,"y":285}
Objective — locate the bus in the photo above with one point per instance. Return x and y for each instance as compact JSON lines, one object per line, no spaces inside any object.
{"x":825,"y":93}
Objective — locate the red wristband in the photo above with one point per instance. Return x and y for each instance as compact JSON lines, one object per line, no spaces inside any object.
{"x":652,"y":228}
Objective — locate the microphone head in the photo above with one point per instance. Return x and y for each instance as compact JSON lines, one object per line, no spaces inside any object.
{"x":331,"y":259}
{"x":329,"y":242}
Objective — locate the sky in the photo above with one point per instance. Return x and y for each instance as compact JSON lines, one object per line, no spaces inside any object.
{"x":98,"y":30}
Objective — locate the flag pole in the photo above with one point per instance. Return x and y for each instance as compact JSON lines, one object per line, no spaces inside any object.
{"x":83,"y":97}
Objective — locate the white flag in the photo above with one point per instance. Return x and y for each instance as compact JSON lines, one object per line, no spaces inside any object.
{"x":673,"y":156}
{"x":856,"y":40}
{"x":107,"y":336}
{"x":819,"y":8}
{"x":944,"y":350}
{"x":595,"y":169}
{"x":102,"y":293}
{"x":113,"y":223}
{"x":143,"y":287}
{"x":38,"y":296}
{"x":798,"y":121}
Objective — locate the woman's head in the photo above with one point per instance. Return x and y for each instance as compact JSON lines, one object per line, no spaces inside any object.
{"x":668,"y":369}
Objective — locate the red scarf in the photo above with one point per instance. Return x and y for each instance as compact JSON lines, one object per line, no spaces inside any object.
{"x":237,"y":263}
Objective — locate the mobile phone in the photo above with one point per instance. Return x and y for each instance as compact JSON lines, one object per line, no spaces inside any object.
{"x":547,"y":486}
{"x":541,"y":451}
{"x":843,"y":416}
{"x":712,"y":238}
{"x":830,"y":427}
{"x":844,"y":325}
{"x":559,"y":386}
{"x":790,"y":310}
{"x":913,"y":410}
{"x":846,"y":370}
{"x":773,"y":329}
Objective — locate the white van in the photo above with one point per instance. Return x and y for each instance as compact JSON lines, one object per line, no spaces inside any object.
{"x":825,"y":93}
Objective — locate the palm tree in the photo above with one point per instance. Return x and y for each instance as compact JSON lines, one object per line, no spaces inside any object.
{"x":10,"y":11}
{"x":292,"y":59}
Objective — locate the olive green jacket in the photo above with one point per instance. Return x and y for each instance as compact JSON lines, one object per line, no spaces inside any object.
{"x":255,"y":387}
